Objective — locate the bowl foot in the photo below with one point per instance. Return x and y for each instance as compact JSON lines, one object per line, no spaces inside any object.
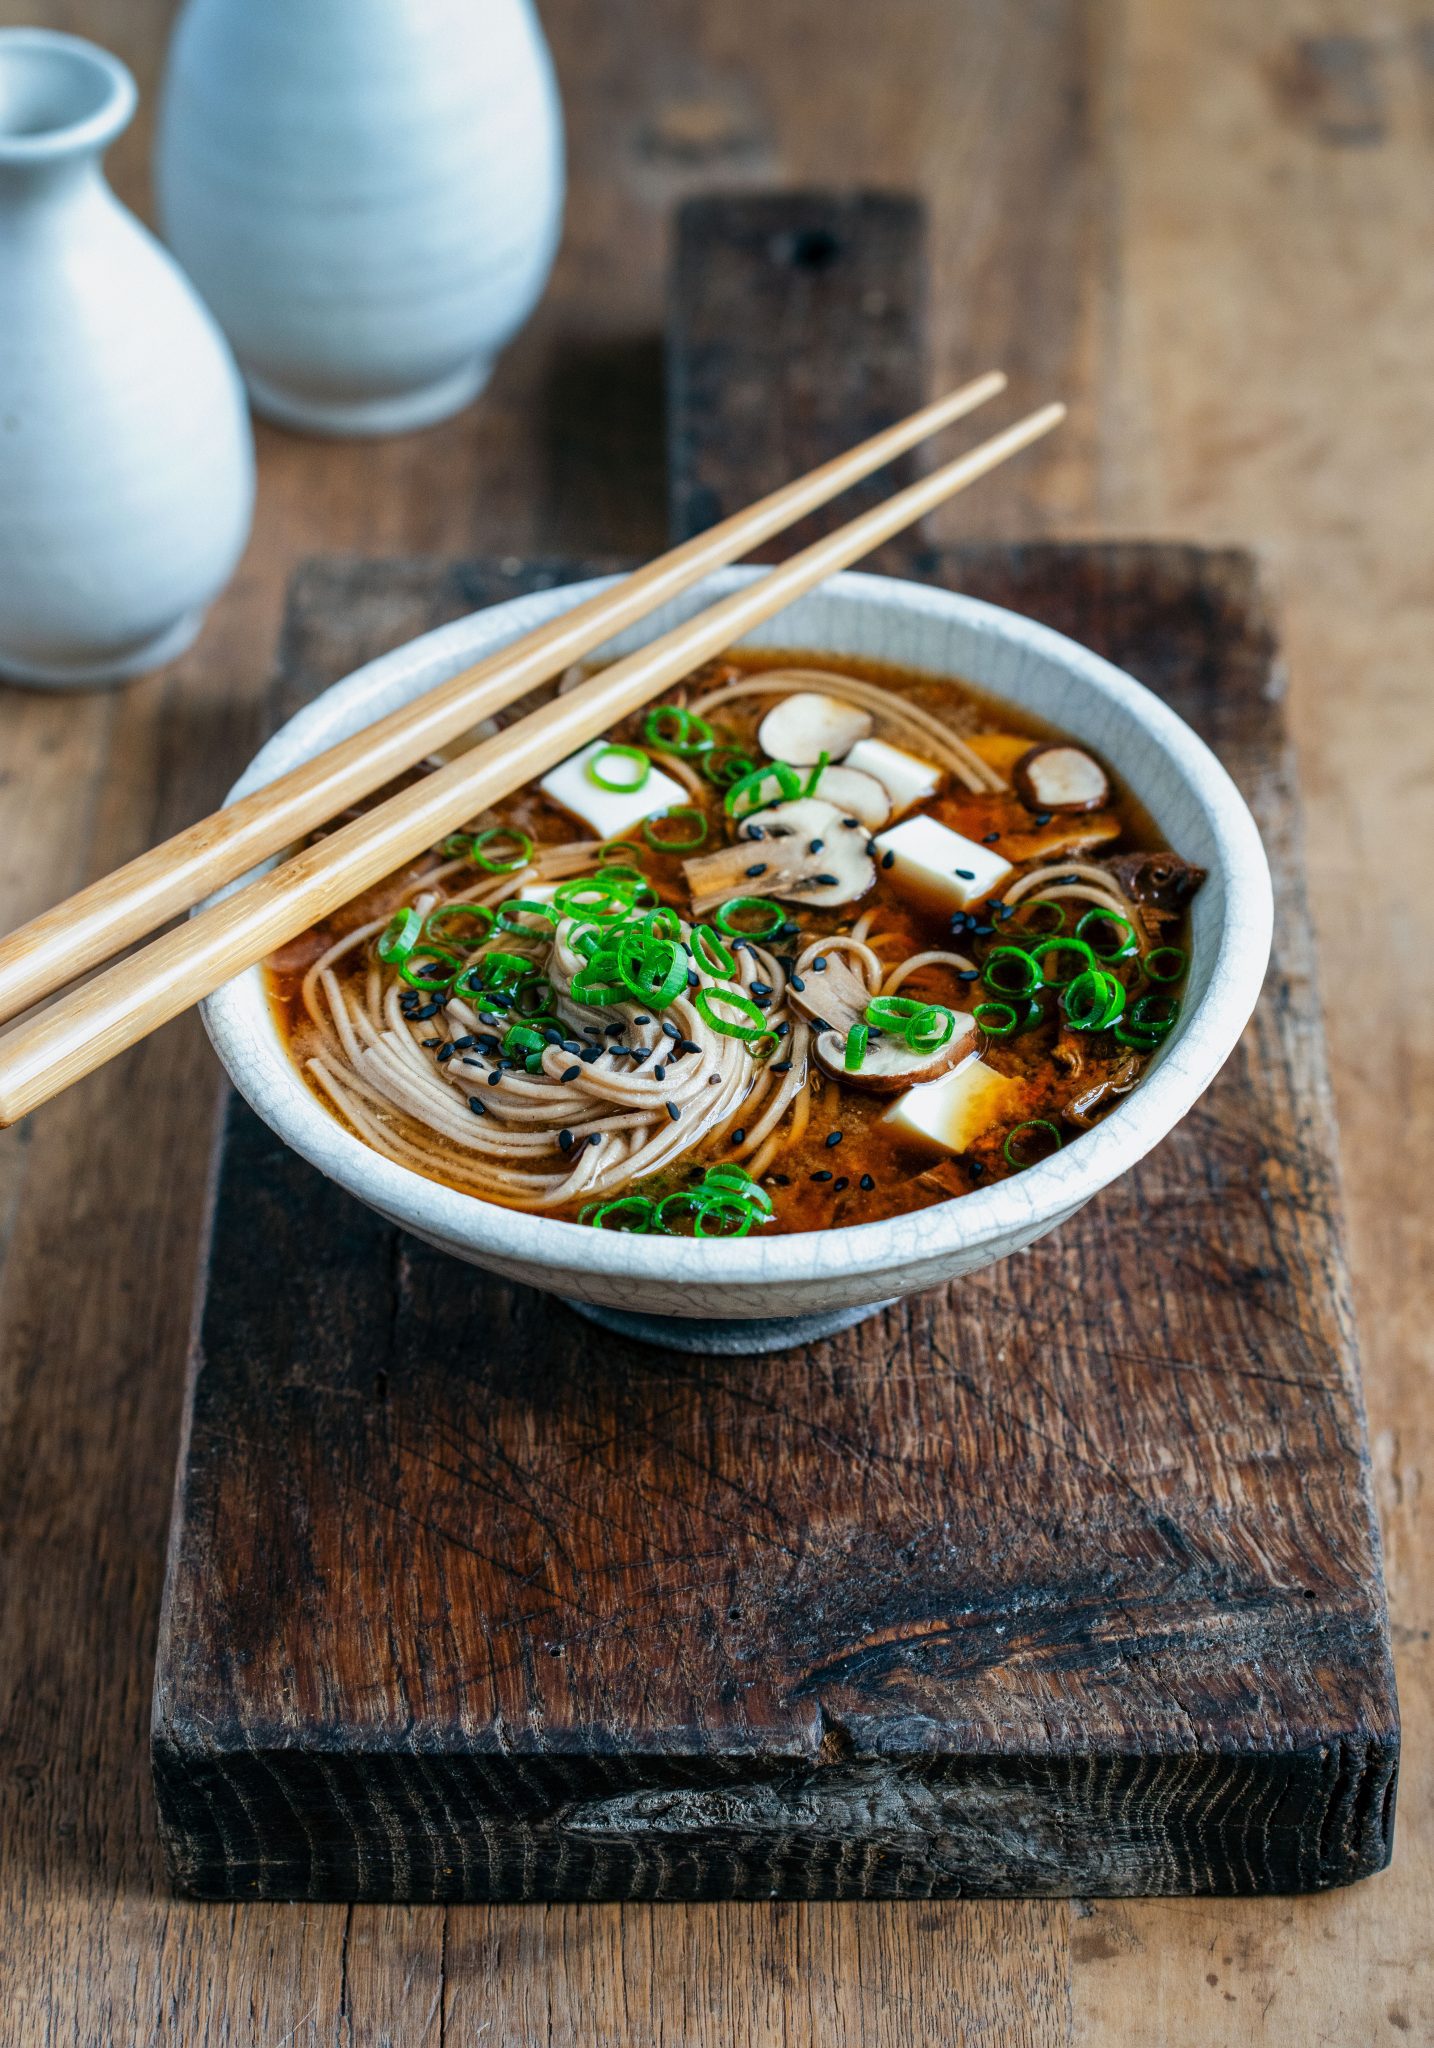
{"x":363,"y":418}
{"x":732,"y":1338}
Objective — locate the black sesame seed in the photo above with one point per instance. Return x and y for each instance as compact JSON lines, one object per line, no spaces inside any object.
{"x":739,"y":1137}
{"x":821,"y":1174}
{"x":670,"y":1028}
{"x":824,"y":881}
{"x":642,"y":1020}
{"x":476,"y":1106}
{"x":853,"y":824}
{"x":819,"y":965}
{"x":964,"y":874}
{"x":1043,"y":817}
{"x":693,"y":980}
{"x":565,"y":1139}
{"x":782,"y":1067}
{"x":780,"y":1180}
{"x":673,"y":1111}
{"x":712,"y":1080}
{"x":614,"y":1030}
{"x":569,"y":1045}
{"x":571,"y":1073}
{"x":798,"y":983}
{"x":494,"y":1078}
{"x":789,"y":930}
{"x":688,"y":1045}
{"x":833,"y":1138}
{"x":552,"y":1034}
{"x":866,"y":1183}
{"x":888,"y":859}
{"x":761,"y":988}
{"x":975,"y":1168}
{"x":780,"y":1030}
{"x":429,"y":1043}
{"x":758,"y":867}
{"x":639,"y":1053}
{"x":983,"y":931}
{"x":593,"y":1052}
{"x":755,"y":832}
{"x":659,"y":1073}
{"x":840,"y":1183}
{"x":466,"y":1043}
{"x":990,"y":839}
{"x":968,"y":974}
{"x":445,"y":1054}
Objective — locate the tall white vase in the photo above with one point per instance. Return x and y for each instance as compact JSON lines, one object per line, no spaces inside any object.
{"x":368,"y":193}
{"x":126,"y":460}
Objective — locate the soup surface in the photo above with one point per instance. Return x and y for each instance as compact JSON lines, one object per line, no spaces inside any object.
{"x":814,"y":942}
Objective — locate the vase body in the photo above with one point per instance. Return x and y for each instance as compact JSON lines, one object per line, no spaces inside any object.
{"x":367,"y":192}
{"x":126,"y":459}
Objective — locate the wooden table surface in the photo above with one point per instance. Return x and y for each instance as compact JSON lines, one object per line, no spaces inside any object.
{"x":1210,"y":227}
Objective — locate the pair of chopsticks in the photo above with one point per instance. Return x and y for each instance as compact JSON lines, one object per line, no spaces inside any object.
{"x":103,"y":1016}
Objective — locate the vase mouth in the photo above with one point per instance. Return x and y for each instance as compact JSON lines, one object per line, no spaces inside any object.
{"x":60,"y":96}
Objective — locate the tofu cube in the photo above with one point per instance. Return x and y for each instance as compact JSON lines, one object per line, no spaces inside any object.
{"x":609,"y":813}
{"x":906,"y":779}
{"x":933,"y":862}
{"x":949,"y":1115}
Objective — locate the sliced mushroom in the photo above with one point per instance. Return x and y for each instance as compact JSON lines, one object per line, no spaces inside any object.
{"x":1162,"y":881}
{"x":855,"y":795}
{"x":802,"y":728}
{"x":890,"y":1067}
{"x":1060,"y":777}
{"x":835,"y":1000}
{"x":800,"y":852}
{"x":1122,"y":1078}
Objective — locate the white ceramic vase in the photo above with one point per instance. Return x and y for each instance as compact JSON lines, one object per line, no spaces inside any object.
{"x":368,"y":193}
{"x":126,"y":459}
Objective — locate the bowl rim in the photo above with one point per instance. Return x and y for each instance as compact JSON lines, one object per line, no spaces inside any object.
{"x":1017,"y":1208}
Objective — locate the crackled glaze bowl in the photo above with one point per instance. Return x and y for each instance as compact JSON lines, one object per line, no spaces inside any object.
{"x":753,"y":1293}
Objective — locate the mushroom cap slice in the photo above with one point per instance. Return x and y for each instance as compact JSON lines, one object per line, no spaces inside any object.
{"x":856,"y":795}
{"x":801,"y":852}
{"x":1055,"y":776}
{"x":803,"y":727}
{"x":890,"y":1067}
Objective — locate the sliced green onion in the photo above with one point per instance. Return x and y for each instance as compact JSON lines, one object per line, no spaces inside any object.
{"x":726,"y":765}
{"x":1093,"y":1001}
{"x":705,"y":1000}
{"x":500,"y":865}
{"x":522,"y":1038}
{"x":892,"y":1013}
{"x":1126,"y":942}
{"x":1146,"y":1024}
{"x":614,"y":850}
{"x":1035,"y":1123}
{"x":661,"y":843}
{"x":592,"y":898}
{"x":855,"y":1052}
{"x":1175,"y":955}
{"x":747,"y":795}
{"x":437,"y":981}
{"x":997,"y":1020}
{"x":823,"y":762}
{"x":930,"y":1029}
{"x":436,"y":924}
{"x":731,"y":1175}
{"x":531,"y":998}
{"x":654,"y":970}
{"x":1053,"y":949}
{"x":674,"y":730}
{"x":721,"y":1206}
{"x":634,"y":1213}
{"x":399,"y":937}
{"x":512,"y":912}
{"x":1010,"y":971}
{"x":1057,"y":910}
{"x":623,"y":783}
{"x":709,"y":952}
{"x":494,"y":974}
{"x":772,"y":915}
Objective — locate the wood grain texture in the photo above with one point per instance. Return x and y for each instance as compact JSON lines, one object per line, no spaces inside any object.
{"x":1126,"y":203}
{"x":1061,"y":1580}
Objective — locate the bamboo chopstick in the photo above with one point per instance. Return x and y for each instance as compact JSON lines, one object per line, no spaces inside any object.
{"x":111,"y":914}
{"x":44,"y":1055}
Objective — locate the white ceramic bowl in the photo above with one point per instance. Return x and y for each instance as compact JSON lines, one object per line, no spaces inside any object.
{"x":1192,"y":799}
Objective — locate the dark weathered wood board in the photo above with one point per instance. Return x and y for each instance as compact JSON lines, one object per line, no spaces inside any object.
{"x":1063,"y":1580}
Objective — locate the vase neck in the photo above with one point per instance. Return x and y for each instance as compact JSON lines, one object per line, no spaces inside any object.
{"x":62,"y":102}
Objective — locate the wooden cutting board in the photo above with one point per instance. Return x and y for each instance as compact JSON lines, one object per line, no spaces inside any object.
{"x":1062,"y":1580}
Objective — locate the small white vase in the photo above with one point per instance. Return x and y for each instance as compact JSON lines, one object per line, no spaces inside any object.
{"x":126,"y":458}
{"x":368,"y":193}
